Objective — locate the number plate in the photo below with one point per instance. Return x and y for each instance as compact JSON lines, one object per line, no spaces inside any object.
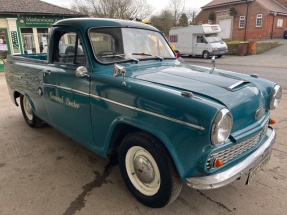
{"x":253,"y":172}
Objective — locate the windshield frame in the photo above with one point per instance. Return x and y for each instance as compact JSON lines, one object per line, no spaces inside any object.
{"x":214,"y":35}
{"x":132,"y":58}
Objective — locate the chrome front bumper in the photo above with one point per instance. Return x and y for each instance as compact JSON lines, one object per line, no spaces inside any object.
{"x":223,"y":178}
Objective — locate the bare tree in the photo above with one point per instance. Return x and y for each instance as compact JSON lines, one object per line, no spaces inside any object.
{"x":176,"y":7}
{"x":118,"y":9}
{"x":163,"y":21}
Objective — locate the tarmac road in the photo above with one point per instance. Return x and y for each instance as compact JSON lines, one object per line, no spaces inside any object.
{"x":44,"y":172}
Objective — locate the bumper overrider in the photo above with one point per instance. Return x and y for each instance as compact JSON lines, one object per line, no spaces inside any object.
{"x":227,"y":176}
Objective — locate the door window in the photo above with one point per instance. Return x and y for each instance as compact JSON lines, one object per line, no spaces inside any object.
{"x":68,"y":48}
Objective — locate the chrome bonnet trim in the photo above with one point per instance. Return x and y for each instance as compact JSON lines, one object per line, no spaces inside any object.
{"x":150,"y":113}
{"x":236,"y":85}
{"x":223,"y":178}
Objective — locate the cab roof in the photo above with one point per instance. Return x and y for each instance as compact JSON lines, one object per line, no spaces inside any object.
{"x":86,"y":23}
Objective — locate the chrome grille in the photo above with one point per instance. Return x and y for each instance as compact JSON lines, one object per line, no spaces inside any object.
{"x":233,"y":152}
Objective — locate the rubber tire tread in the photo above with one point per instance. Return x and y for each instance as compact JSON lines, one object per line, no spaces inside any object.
{"x":155,"y":201}
{"x":35,"y":122}
{"x":208,"y":55}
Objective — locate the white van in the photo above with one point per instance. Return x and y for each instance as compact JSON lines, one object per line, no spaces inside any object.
{"x":198,"y":40}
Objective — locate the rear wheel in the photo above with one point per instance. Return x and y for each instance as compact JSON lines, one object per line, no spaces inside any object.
{"x":148,"y":170}
{"x":205,"y":55}
{"x":28,"y":114}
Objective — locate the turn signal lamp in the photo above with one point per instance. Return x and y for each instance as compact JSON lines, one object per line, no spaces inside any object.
{"x":272,"y":121}
{"x":217,"y":163}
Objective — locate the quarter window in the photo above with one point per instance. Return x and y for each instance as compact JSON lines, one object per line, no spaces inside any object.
{"x":173,"y":38}
{"x":241,"y":21}
{"x":259,"y":20}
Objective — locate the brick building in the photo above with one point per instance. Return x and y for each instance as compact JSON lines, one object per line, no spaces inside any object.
{"x":246,"y":19}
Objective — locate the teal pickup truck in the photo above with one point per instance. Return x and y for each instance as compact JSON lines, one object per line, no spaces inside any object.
{"x":116,"y":87}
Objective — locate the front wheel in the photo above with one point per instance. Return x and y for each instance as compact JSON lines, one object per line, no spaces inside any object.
{"x":148,"y":170}
{"x":28,"y":114}
{"x":205,"y":55}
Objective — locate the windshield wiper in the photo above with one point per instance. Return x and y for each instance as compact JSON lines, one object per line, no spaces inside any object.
{"x":146,"y":54}
{"x":113,"y":55}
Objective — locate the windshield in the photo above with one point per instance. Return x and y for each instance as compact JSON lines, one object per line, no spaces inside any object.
{"x":120,"y":44}
{"x":212,"y":38}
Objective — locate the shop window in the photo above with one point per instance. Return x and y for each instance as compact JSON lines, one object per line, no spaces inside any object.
{"x":68,"y":48}
{"x":3,"y":42}
{"x":28,"y":40}
{"x":242,"y":22}
{"x":43,"y":39}
{"x":259,"y":20}
{"x":280,"y":23}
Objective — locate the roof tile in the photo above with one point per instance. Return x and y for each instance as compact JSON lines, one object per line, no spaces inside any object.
{"x":34,"y":7}
{"x":271,"y":5}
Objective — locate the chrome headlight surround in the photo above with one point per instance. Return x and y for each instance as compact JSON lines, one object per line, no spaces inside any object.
{"x":275,"y":97}
{"x":221,"y":127}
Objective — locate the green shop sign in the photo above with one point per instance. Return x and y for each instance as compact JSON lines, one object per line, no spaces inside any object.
{"x":33,"y":21}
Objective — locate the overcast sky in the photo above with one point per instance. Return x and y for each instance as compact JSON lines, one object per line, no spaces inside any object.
{"x":157,"y":4}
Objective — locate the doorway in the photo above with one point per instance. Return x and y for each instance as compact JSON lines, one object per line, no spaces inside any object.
{"x":225,"y":25}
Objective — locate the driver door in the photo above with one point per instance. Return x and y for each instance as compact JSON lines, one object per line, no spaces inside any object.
{"x":67,"y":96}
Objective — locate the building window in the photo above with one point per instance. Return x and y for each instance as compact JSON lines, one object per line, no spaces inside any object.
{"x":43,"y":37}
{"x":242,"y":22}
{"x":280,"y":23}
{"x":200,"y":22}
{"x":259,"y":20}
{"x":28,"y":40}
{"x":209,"y":22}
{"x":173,"y":38}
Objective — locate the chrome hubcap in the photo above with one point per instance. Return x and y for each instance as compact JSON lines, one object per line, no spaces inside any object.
{"x":28,"y":108}
{"x":143,"y":169}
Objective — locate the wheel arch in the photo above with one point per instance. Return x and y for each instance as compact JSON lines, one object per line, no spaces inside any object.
{"x":124,"y":127}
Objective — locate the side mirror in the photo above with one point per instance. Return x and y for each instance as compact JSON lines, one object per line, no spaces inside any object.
{"x":81,"y":72}
{"x":120,"y":70}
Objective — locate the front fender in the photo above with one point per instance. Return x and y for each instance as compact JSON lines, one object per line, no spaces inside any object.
{"x":149,"y":128}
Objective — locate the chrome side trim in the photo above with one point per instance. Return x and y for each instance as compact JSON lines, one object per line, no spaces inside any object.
{"x":236,"y":84}
{"x":227,"y":176}
{"x":129,"y":107}
{"x":66,"y":88}
{"x":150,"y":113}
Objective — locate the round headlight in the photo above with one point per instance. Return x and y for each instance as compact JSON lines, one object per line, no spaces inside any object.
{"x":221,"y":127}
{"x":275,"y":97}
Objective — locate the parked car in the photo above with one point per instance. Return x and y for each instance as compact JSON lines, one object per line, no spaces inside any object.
{"x":126,"y":94}
{"x":285,"y":34}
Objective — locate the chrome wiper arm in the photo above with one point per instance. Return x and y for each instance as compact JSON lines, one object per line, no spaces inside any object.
{"x":145,"y":54}
{"x":134,"y":59}
{"x":113,"y":55}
